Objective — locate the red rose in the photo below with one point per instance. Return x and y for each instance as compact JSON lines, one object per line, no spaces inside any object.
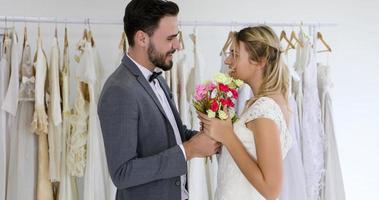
{"x":229,"y":102}
{"x":214,"y":106}
{"x":235,"y":93}
{"x":223,"y":87}
{"x":224,"y":102}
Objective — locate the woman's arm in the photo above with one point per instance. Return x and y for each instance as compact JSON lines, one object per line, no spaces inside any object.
{"x":265,"y":173}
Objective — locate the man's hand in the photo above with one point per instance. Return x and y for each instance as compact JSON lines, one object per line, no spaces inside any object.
{"x":200,"y":145}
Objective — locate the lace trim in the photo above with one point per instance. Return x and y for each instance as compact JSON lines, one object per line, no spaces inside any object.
{"x":265,"y":107}
{"x":77,"y":142}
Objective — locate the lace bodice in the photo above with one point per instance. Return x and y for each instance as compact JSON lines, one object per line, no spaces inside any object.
{"x":27,"y":85}
{"x":232,"y":184}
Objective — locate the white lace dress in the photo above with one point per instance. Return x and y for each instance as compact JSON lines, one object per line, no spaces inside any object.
{"x":184,"y":100}
{"x":4,"y":81}
{"x":22,"y":174}
{"x":312,"y":131}
{"x":294,"y":187}
{"x":97,"y":182}
{"x":11,"y":98}
{"x":10,"y":101}
{"x":67,"y":187}
{"x":334,"y":187}
{"x":232,"y":184}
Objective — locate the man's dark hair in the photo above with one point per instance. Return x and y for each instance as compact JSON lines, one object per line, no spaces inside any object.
{"x":145,"y":15}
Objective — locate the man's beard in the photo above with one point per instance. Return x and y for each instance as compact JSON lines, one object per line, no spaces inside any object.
{"x":158,"y":59}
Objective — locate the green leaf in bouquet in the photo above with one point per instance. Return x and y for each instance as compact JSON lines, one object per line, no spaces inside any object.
{"x":238,"y":82}
{"x":232,"y":85}
{"x":198,"y":106}
{"x":234,"y":119}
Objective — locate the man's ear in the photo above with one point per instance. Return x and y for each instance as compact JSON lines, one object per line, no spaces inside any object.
{"x":141,"y":39}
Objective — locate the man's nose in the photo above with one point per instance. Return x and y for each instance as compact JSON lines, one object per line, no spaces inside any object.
{"x":176,"y":44}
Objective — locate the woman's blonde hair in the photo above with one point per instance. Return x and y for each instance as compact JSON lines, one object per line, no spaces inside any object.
{"x":261,"y":42}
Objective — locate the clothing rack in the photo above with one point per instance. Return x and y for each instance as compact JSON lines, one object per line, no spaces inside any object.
{"x":312,"y":26}
{"x":57,"y":20}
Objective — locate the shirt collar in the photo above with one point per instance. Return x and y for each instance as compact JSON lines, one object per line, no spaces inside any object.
{"x":146,"y":73}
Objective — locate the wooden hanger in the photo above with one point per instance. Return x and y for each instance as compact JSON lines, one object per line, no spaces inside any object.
{"x":5,"y":37}
{"x":293,"y":37}
{"x":90,"y":38}
{"x":181,"y":41}
{"x":122,"y":44}
{"x":228,"y":42}
{"x":80,"y":45}
{"x":326,"y":45}
{"x":25,"y":36}
{"x":6,"y":34}
{"x":65,"y":37}
{"x":283,"y":35}
{"x":85,"y":34}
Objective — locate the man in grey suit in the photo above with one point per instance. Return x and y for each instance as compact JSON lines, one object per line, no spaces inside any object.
{"x":146,"y":144}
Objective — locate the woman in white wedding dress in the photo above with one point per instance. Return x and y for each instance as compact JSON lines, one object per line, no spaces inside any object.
{"x":250,"y":165}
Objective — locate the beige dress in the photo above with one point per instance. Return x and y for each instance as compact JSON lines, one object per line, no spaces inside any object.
{"x":39,"y":125}
{"x":54,"y":113}
{"x":67,"y":187}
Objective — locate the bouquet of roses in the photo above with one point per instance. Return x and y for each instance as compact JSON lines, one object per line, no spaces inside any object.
{"x":212,"y":97}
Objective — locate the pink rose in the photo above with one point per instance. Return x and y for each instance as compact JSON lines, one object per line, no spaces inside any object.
{"x":200,"y":92}
{"x":211,"y":86}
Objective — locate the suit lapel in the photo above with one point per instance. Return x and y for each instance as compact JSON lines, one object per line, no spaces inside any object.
{"x":142,"y":80}
{"x":145,"y":84}
{"x":150,"y":91}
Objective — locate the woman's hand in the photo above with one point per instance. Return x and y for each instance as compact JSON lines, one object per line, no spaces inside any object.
{"x":217,"y":129}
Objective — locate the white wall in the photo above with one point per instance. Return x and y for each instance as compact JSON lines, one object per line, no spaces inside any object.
{"x":354,"y":60}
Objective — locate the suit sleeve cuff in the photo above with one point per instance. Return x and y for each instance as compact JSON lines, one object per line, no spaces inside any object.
{"x":183,"y":150}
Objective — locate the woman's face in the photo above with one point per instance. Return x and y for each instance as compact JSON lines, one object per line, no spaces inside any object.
{"x":240,"y":65}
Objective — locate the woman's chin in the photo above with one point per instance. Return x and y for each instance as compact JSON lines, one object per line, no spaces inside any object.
{"x":233,"y":75}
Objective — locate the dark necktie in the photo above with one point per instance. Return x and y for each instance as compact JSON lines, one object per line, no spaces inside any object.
{"x":154,"y":76}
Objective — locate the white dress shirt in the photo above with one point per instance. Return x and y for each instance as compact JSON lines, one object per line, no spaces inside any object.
{"x":167,"y":109}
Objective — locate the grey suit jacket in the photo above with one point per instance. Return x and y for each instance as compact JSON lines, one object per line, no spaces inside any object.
{"x":143,"y":158}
